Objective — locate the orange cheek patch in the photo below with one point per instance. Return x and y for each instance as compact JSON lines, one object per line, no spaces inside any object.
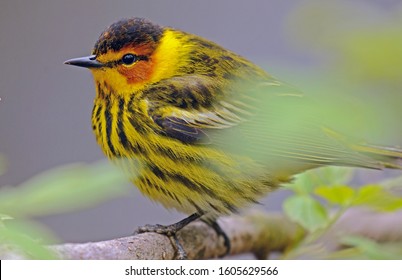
{"x":139,"y":72}
{"x":142,"y":70}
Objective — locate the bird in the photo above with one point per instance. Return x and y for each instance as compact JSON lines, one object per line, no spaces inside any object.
{"x":200,"y":129}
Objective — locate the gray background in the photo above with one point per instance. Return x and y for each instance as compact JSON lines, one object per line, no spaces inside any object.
{"x":45,"y":106}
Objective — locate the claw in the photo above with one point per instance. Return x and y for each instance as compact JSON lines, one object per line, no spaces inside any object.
{"x":170,"y":231}
{"x":220,"y":232}
{"x":181,"y":253}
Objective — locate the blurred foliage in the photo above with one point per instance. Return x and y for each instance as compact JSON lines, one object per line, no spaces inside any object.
{"x":59,"y":190}
{"x":372,"y":250}
{"x":360,"y":40}
{"x":310,"y":207}
{"x":357,"y":47}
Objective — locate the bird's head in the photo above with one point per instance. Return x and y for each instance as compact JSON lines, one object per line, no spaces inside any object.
{"x":130,"y":54}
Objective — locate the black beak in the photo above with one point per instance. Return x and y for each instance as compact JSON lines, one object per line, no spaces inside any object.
{"x":87,"y":62}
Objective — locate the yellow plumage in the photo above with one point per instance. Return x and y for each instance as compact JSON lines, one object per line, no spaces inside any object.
{"x":201,"y":129}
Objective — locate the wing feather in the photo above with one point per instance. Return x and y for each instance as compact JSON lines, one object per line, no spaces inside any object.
{"x":269,"y":122}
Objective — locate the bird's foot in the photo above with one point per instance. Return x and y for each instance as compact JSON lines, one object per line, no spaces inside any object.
{"x":220,"y":232}
{"x":171,"y":231}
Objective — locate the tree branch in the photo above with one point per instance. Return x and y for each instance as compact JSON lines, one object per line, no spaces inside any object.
{"x":259,"y":233}
{"x":255,"y":232}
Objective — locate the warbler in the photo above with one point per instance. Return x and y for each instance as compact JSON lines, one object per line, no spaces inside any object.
{"x":201,"y":129}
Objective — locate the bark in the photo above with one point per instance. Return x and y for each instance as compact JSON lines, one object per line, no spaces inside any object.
{"x":258,"y":233}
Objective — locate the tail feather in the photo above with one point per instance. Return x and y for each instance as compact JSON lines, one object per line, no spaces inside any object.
{"x":389,"y":157}
{"x":385,"y":156}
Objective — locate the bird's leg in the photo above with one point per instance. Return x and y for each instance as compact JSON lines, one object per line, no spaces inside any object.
{"x":170,"y":231}
{"x":220,"y":232}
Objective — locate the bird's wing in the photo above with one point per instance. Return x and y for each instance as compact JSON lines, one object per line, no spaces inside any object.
{"x":186,"y":108}
{"x":271,"y":123}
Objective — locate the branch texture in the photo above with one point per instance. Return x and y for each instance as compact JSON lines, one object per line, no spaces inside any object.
{"x":257,"y":233}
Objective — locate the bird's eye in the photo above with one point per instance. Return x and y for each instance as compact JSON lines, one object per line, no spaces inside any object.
{"x":129,"y":59}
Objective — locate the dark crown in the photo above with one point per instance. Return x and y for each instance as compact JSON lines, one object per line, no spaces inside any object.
{"x":136,"y":31}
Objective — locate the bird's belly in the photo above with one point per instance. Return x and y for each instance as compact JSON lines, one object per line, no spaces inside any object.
{"x":189,"y":178}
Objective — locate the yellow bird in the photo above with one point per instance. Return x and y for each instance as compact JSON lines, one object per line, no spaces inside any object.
{"x":200,"y":128}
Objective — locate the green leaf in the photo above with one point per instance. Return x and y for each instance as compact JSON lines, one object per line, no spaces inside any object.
{"x":378,"y":198}
{"x":4,"y":218}
{"x":26,"y":237}
{"x":63,"y":189}
{"x":306,"y":211}
{"x":325,"y":176}
{"x":334,"y":175}
{"x":372,"y":249}
{"x":349,"y":253}
{"x":340,"y":195}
